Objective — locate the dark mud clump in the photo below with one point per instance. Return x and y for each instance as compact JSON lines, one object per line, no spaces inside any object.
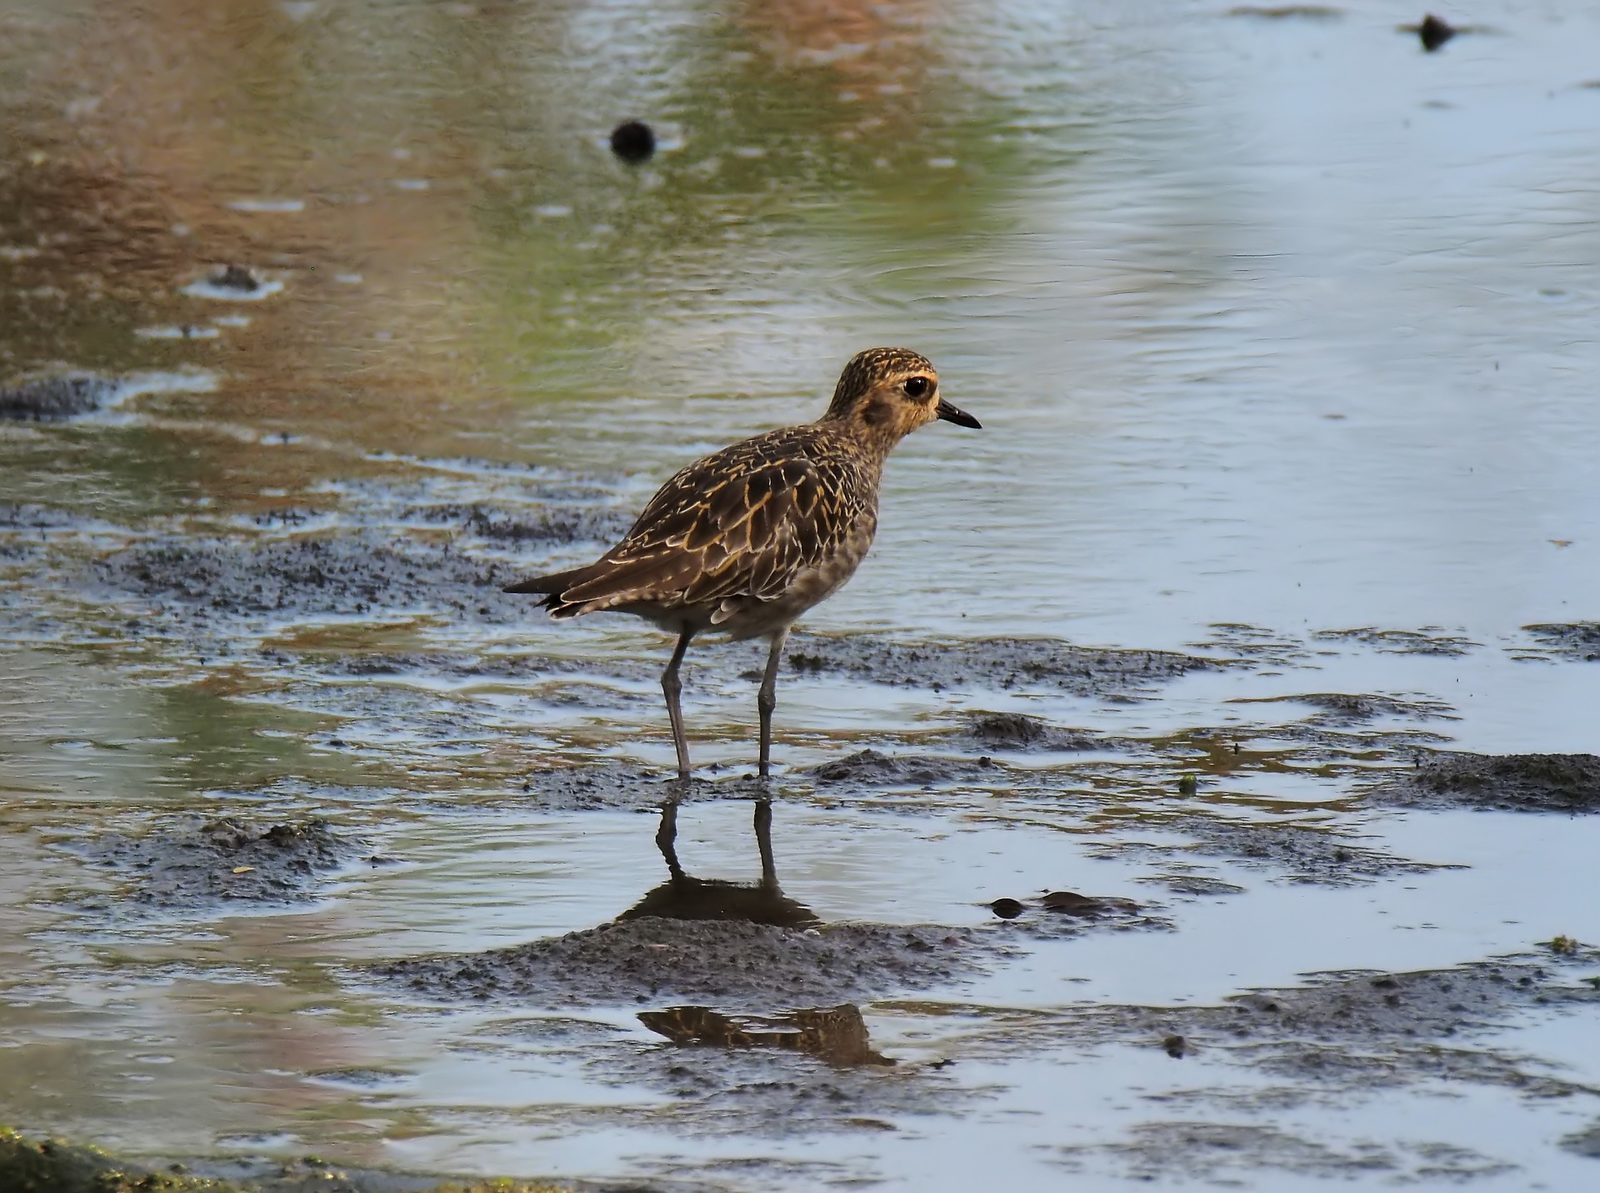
{"x":870,"y":768}
{"x":601,"y":785}
{"x":1509,"y":782}
{"x":995,"y":663}
{"x":51,"y":398}
{"x":697,"y":961}
{"x":1016,"y":731}
{"x":1363,"y":1028}
{"x":1299,"y":853}
{"x":344,"y":574}
{"x":1578,"y":641}
{"x":197,"y":861}
{"x":546,"y":524}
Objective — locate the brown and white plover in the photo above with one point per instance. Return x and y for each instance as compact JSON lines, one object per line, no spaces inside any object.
{"x":747,"y":539}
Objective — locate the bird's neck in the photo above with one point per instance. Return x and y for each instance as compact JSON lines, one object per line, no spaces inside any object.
{"x":870,"y":442}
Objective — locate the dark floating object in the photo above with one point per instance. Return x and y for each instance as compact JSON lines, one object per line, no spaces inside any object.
{"x":633,"y":141}
{"x":1176,"y":1047}
{"x":236,"y":277}
{"x":1006,"y":909}
{"x":1434,"y":32}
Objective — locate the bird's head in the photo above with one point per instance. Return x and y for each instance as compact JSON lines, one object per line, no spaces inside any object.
{"x":886,"y":393}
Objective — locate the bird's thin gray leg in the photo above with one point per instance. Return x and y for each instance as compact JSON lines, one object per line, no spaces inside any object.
{"x":672,"y":688}
{"x":767,"y":697}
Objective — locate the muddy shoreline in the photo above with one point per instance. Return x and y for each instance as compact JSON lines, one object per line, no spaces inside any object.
{"x":761,"y":1013}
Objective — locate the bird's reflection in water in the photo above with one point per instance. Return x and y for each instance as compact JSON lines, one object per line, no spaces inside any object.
{"x":837,"y":1035}
{"x":685,"y":897}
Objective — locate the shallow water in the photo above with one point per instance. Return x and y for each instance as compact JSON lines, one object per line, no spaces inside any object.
{"x":1276,"y":324}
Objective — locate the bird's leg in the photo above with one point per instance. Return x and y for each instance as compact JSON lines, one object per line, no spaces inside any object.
{"x":672,"y":688}
{"x":767,"y":697}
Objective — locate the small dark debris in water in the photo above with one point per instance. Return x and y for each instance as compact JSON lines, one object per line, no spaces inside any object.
{"x":1433,"y":32}
{"x":235,"y":277}
{"x":1176,"y":1047}
{"x":1087,"y":906}
{"x":633,"y":141}
{"x":1188,"y":785}
{"x":1006,"y":909}
{"x":1280,"y":12}
{"x":50,"y":398}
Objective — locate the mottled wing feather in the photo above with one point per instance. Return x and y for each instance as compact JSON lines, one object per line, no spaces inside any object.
{"x":738,"y":524}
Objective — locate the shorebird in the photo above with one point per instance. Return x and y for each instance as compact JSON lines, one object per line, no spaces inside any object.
{"x":745,"y":540}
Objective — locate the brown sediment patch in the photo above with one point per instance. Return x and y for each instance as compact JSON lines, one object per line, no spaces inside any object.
{"x":191,"y":861}
{"x":1297,"y":852}
{"x":1344,"y":708}
{"x":871,"y":768}
{"x":345,"y":574}
{"x":1231,"y":1153}
{"x":1578,"y":641}
{"x":1364,"y":1028}
{"x":1425,"y":640}
{"x":1567,"y":783}
{"x":732,"y":965}
{"x":1257,"y":644}
{"x":1004,"y":663}
{"x":1010,"y":731}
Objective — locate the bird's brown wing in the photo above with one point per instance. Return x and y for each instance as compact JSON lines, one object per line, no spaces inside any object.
{"x":740,"y":523}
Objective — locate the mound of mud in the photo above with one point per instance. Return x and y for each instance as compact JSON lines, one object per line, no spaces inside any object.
{"x":725,"y":964}
{"x":1016,"y":731}
{"x":195,"y":861}
{"x":316,"y":576}
{"x":870,"y":768}
{"x":995,"y":663}
{"x":1508,"y":783}
{"x":51,"y":398}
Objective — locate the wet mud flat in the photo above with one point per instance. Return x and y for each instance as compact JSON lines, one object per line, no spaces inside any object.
{"x":736,"y":1010}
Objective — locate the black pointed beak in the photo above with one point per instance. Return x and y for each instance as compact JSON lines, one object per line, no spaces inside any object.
{"x":954,"y":414}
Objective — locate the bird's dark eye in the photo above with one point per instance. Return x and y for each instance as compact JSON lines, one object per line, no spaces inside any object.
{"x":916,"y":387}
